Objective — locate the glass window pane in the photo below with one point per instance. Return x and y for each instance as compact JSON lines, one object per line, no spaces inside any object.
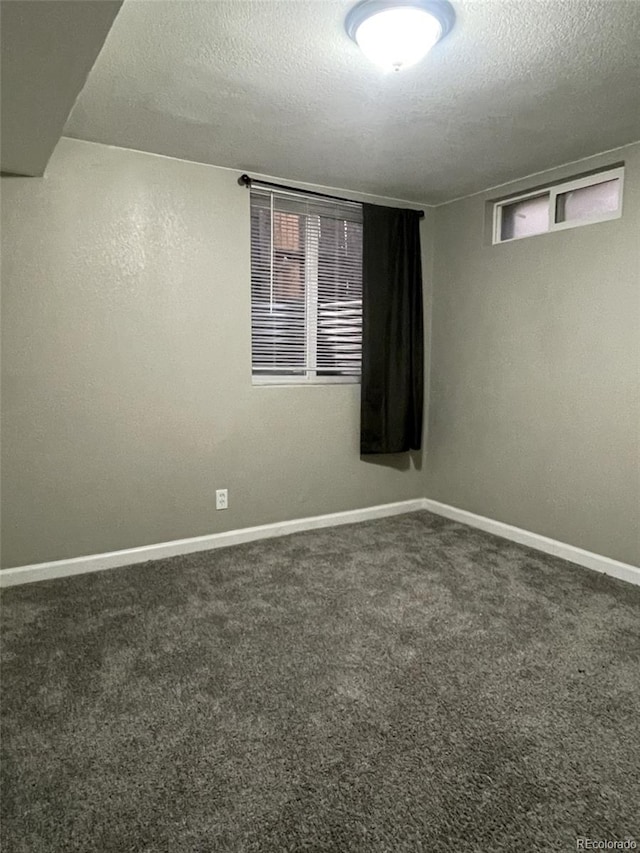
{"x":525,"y":218}
{"x":588,"y":202}
{"x":286,"y":231}
{"x":306,"y":287}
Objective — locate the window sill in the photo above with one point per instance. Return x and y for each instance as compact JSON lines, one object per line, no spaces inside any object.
{"x":300,"y":382}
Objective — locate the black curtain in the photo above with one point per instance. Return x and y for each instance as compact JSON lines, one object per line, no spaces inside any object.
{"x":392,"y":331}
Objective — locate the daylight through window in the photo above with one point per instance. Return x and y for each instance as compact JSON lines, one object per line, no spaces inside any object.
{"x":306,"y":288}
{"x":582,"y":201}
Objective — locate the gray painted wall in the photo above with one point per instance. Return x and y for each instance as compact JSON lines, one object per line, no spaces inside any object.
{"x":127,"y":399}
{"x":127,"y":396}
{"x":535,"y":385}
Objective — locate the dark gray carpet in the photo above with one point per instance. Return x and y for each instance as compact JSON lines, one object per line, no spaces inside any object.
{"x":408,"y":684}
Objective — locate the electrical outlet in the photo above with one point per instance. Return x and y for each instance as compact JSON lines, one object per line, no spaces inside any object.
{"x":222,"y":499}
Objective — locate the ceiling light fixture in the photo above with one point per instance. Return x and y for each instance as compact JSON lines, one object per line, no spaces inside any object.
{"x":396,"y":34}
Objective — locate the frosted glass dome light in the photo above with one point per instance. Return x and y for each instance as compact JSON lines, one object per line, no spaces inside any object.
{"x":398,"y":35}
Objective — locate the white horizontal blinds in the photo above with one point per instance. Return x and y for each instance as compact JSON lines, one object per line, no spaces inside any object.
{"x":278,"y":302}
{"x":339,"y":345}
{"x":306,"y":285}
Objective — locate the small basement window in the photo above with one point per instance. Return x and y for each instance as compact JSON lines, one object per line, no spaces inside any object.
{"x":582,"y":201}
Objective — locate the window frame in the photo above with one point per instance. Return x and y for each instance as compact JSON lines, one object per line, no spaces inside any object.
{"x":308,"y":376}
{"x":293,"y":379}
{"x":553,"y":191}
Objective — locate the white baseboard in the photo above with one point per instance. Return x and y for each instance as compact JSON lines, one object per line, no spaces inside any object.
{"x":131,"y":556}
{"x":623,"y":571}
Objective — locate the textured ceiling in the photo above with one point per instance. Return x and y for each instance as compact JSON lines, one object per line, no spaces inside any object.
{"x":278,"y":88}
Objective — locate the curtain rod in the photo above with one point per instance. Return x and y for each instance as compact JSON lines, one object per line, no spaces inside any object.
{"x":246,"y":181}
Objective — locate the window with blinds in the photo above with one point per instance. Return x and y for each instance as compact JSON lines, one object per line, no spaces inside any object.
{"x":306,"y":288}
